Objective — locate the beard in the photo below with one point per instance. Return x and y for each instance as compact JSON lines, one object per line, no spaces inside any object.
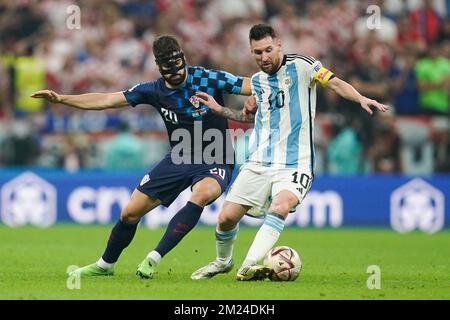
{"x":269,"y":67}
{"x":175,"y":79}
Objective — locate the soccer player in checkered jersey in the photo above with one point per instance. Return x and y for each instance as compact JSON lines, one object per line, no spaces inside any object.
{"x":280,"y":165}
{"x":173,"y":96}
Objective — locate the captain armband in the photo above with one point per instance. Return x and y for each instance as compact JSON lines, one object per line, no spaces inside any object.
{"x":323,"y":75}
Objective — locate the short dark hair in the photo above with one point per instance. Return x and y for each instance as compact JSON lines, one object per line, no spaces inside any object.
{"x":165,"y":46}
{"x":260,"y":31}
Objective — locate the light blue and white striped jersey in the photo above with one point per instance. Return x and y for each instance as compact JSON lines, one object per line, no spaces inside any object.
{"x":284,"y":122}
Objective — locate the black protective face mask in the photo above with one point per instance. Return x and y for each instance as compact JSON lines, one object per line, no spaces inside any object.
{"x":170,"y":63}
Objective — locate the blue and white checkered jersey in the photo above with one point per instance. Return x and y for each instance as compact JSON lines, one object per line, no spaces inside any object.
{"x":284,"y":123}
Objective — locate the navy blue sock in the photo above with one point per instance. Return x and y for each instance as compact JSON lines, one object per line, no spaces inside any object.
{"x":180,"y":225}
{"x":120,"y":237}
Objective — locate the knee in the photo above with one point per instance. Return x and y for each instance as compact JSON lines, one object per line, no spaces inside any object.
{"x":128,"y":216}
{"x":206,"y":195}
{"x":283,"y":207}
{"x":226,"y":222}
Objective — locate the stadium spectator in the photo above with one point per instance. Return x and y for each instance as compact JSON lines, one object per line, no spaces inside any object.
{"x":124,"y":48}
{"x":112,"y":51}
{"x":72,"y":159}
{"x":408,"y":36}
{"x":372,"y":60}
{"x":385,"y":150}
{"x":19,"y":21}
{"x":125,"y":151}
{"x":426,"y":21}
{"x":444,"y":32}
{"x":28,"y":75}
{"x":20,"y":147}
{"x":403,"y":82}
{"x":433,"y":74}
{"x":344,"y":152}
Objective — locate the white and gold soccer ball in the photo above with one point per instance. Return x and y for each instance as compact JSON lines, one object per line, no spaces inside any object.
{"x":285,"y":263}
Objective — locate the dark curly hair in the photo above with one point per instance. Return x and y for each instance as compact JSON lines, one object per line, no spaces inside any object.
{"x":165,"y":46}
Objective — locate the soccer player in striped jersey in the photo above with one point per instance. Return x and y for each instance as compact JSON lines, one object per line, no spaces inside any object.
{"x":280,"y":165}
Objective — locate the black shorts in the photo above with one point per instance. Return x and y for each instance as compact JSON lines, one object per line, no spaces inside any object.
{"x":167,"y":180}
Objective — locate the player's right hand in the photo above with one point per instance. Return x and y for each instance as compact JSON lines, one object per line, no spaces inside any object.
{"x":48,"y":95}
{"x":208,"y":101}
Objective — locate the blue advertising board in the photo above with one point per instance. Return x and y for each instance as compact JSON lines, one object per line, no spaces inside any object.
{"x":43,"y":198}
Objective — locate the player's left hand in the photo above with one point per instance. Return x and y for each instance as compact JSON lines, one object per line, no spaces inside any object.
{"x":208,"y":101}
{"x":367,"y":104}
{"x":250,"y":106}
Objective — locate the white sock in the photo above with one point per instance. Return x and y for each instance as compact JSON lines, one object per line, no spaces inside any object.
{"x":225,"y":243}
{"x":265,"y":239}
{"x":155,"y":256}
{"x":105,"y":265}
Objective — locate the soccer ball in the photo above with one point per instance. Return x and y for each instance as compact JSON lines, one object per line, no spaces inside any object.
{"x":285,"y":263}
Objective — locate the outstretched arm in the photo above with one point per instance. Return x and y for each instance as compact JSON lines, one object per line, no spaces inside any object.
{"x":347,"y":91}
{"x":88,"y":101}
{"x":228,"y":113}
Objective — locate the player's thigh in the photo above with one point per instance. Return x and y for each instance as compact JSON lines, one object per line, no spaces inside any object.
{"x":230,"y":215}
{"x":209,"y":182}
{"x":289,"y":188}
{"x":205,"y":191}
{"x":251,"y":187}
{"x":166,"y":181}
{"x":139,"y":205}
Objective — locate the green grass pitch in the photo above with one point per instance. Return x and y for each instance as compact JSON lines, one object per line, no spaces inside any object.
{"x":33,"y":263}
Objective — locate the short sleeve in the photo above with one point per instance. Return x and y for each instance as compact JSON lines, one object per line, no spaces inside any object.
{"x":228,"y":82}
{"x":320,"y":74}
{"x":139,"y":94}
{"x":314,"y":70}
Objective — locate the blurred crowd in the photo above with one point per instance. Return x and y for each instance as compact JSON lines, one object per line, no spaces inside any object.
{"x":396,"y":51}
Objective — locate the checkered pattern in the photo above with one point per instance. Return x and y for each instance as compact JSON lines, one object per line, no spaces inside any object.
{"x":176,"y":108}
{"x":213,"y":82}
{"x":199,"y":79}
{"x":208,"y":81}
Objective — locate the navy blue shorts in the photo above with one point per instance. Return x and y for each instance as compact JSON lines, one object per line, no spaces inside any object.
{"x":167,"y":180}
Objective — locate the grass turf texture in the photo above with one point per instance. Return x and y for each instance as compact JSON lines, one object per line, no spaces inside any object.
{"x":413,"y":266}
